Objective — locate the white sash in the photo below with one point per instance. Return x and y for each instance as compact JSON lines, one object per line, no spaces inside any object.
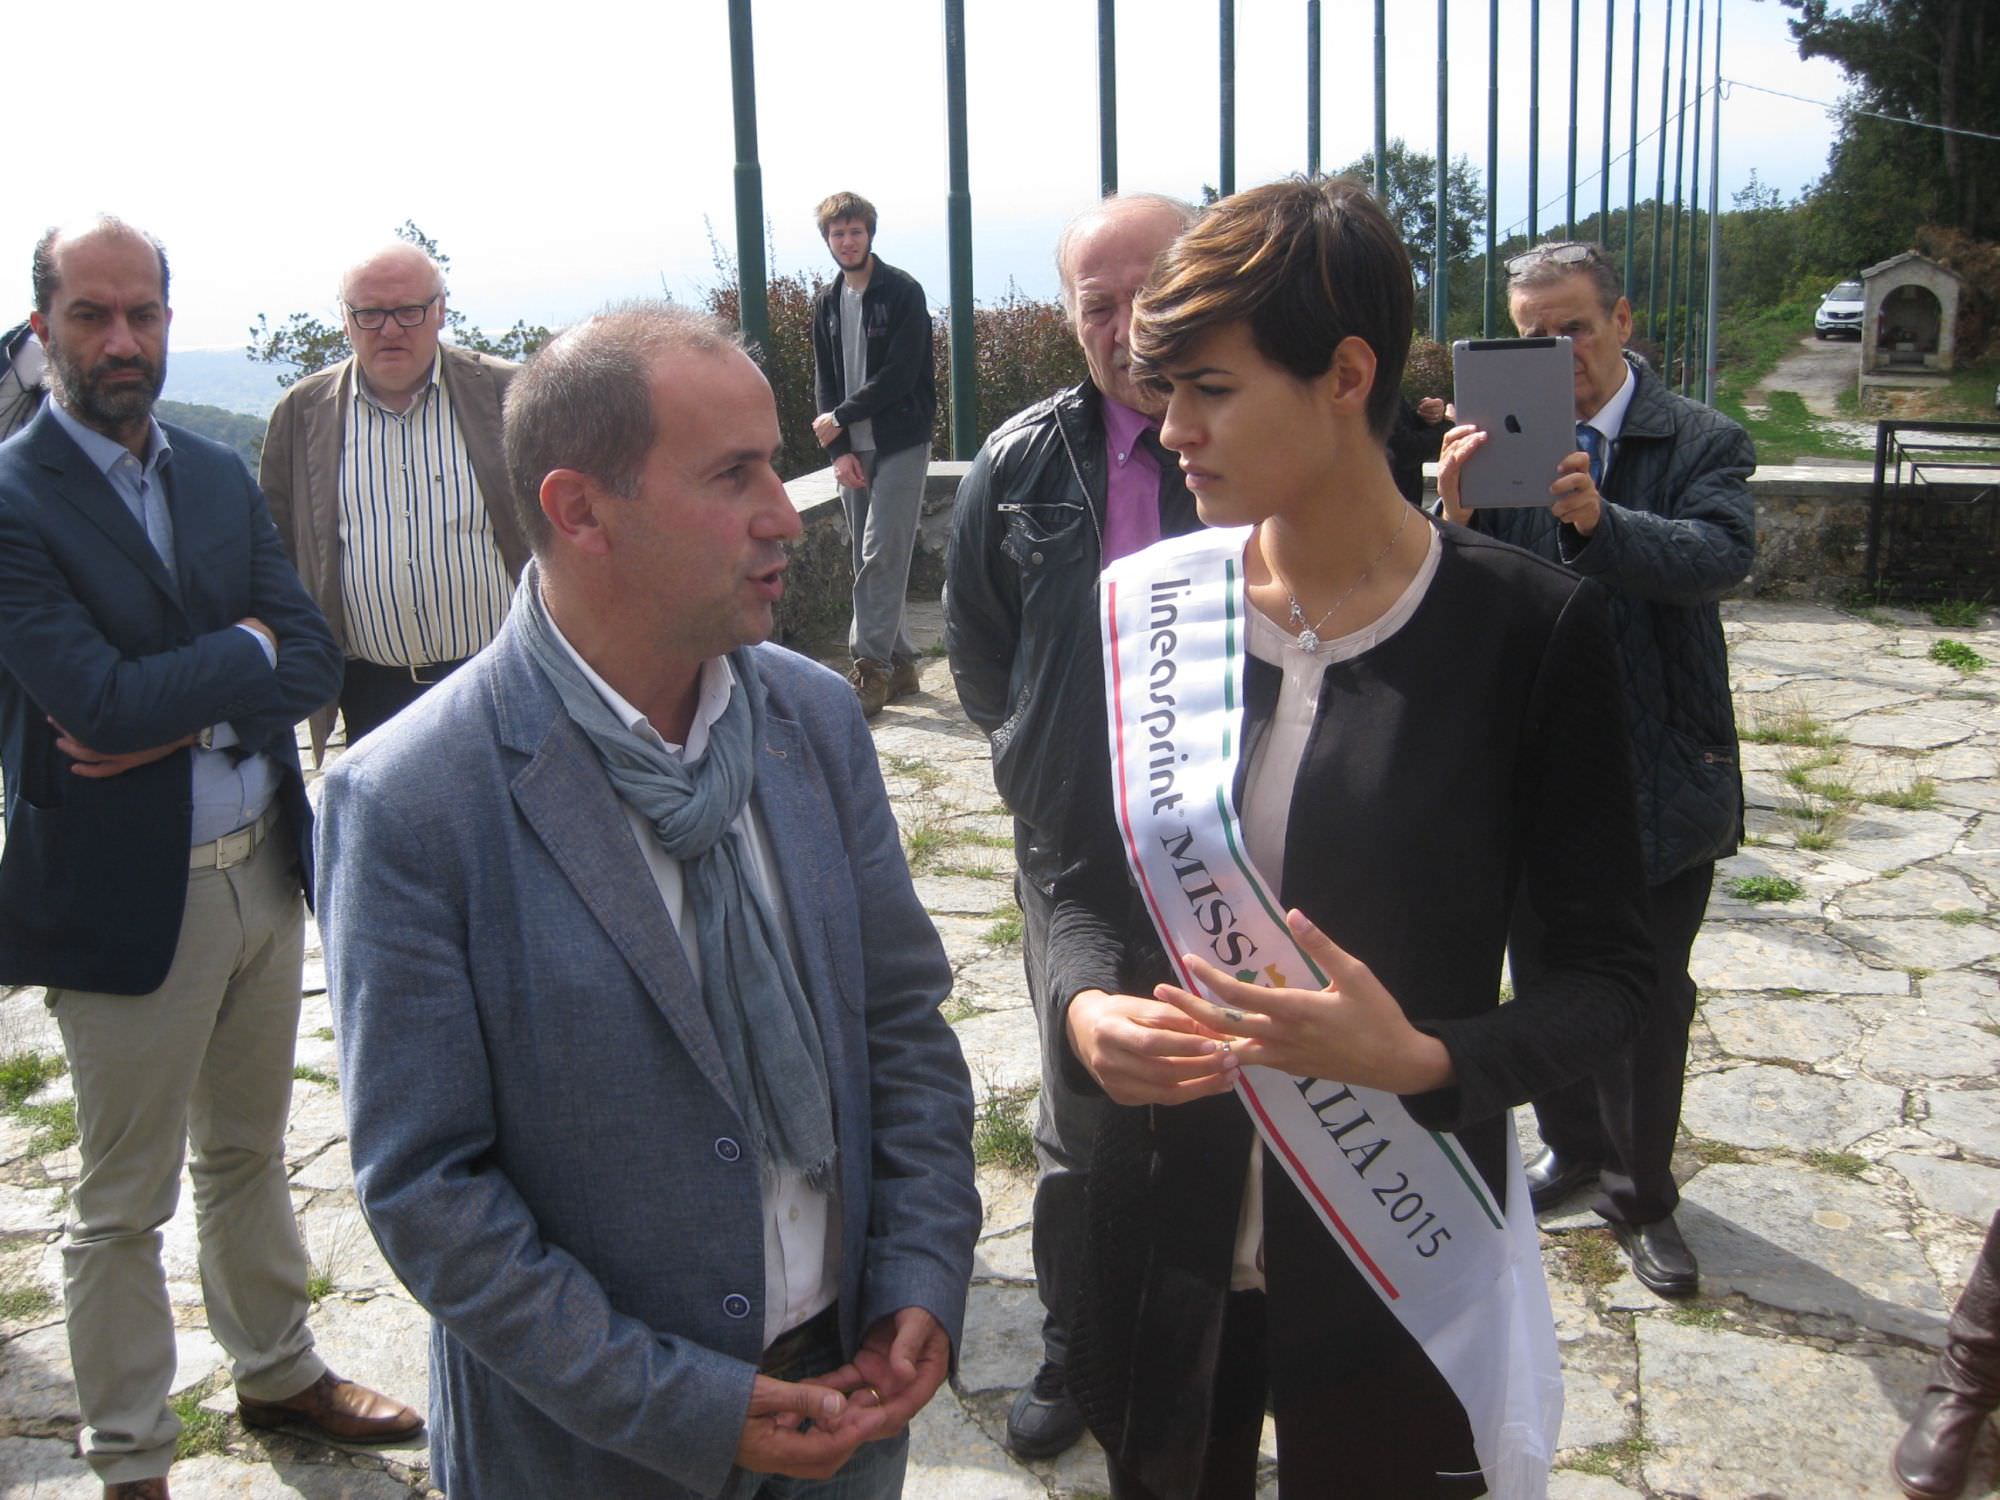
{"x":1401,"y":1201}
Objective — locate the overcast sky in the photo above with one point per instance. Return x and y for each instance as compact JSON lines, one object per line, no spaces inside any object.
{"x":563,"y":154}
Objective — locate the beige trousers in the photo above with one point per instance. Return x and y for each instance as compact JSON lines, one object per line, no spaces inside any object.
{"x":206,"y":1058}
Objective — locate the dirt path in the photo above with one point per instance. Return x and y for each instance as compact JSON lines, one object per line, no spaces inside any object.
{"x":1818,"y":371}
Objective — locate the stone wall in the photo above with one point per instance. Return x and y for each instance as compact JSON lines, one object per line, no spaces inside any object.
{"x":1812,"y":542}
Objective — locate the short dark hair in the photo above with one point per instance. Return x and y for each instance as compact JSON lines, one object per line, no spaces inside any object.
{"x":844,"y":206}
{"x":1555,"y":261}
{"x":585,"y":400}
{"x":1304,"y":263}
{"x":43,"y":270}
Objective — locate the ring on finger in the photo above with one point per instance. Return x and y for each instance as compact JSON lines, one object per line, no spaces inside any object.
{"x":876,"y":1394}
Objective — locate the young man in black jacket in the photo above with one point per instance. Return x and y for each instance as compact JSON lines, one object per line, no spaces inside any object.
{"x":1057,"y":492}
{"x":1654,"y":505}
{"x":875,"y":391}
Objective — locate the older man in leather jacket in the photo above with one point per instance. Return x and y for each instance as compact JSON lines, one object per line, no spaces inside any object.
{"x":1057,"y":492}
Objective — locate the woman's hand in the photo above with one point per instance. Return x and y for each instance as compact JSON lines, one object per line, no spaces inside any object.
{"x":1147,"y":1052}
{"x":1353,"y":1030}
{"x":1459,"y":445}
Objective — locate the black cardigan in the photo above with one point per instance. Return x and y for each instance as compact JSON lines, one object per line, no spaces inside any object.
{"x":1476,"y":756}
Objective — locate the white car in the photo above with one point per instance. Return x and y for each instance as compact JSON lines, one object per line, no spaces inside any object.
{"x":1840,"y":310}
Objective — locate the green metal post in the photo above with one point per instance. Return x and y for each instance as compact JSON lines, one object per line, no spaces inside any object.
{"x":1381,"y":107}
{"x":1604,"y":162}
{"x":1688,"y":382}
{"x":1228,"y":50}
{"x":958,"y":227}
{"x":1674,"y":224}
{"x":1534,"y":116}
{"x":1660,"y":186}
{"x":1312,"y":88}
{"x":753,"y":297}
{"x":1714,"y":193}
{"x":1107,"y":96}
{"x":1575,"y":41}
{"x":1492,"y":166}
{"x":1441,"y":249}
{"x":1632,"y":161}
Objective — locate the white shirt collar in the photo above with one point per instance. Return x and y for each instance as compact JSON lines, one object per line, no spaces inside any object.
{"x":718,"y":679}
{"x":1610,"y":418}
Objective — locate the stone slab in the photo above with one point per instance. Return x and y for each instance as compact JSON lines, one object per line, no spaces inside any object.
{"x":1002,"y":1346}
{"x":45,"y":1469}
{"x":37,"y":1389}
{"x":962,"y":895}
{"x":1962,"y":995}
{"x":1734,"y":1417}
{"x":1777,"y":956}
{"x":1929,"y":891}
{"x":1921,"y":942}
{"x":216,"y":1477}
{"x":1005,"y":1257}
{"x":1966,"y":1118}
{"x":994,"y":981}
{"x":1798,"y":1028}
{"x":338,"y":1243}
{"x":1001,"y":1050}
{"x":1811,"y":1242}
{"x":1919,"y":1050}
{"x":952,"y":1458}
{"x":1763,"y":1107}
{"x":1568,"y":1484}
{"x":1962,"y":1188}
{"x":1908,"y":729}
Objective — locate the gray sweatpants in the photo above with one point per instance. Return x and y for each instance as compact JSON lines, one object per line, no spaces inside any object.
{"x":882,"y":527}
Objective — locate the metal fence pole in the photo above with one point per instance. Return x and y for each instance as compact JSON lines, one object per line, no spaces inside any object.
{"x":1575,"y":41}
{"x":1381,"y":107}
{"x":1604,"y":163}
{"x":1714,"y":223}
{"x":1312,"y":88}
{"x":1441,"y":250}
{"x":1492,"y":165}
{"x":958,"y":223}
{"x":753,"y":296}
{"x":1694,"y":212}
{"x":1632,"y":161}
{"x":1107,"y":96}
{"x":1534,"y":116}
{"x":1228,"y":50}
{"x":1660,"y":187}
{"x":1674,"y":226}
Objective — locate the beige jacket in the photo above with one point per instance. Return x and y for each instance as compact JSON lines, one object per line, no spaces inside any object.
{"x":300,"y":475}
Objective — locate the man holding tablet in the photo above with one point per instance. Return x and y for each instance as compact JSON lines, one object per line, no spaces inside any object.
{"x":1654,"y":505}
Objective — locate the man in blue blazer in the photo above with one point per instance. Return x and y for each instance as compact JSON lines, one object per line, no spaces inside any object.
{"x":156,"y":650}
{"x":649,"y":1097}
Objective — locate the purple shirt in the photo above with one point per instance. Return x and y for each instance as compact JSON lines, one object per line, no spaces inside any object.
{"x":1132,"y":494}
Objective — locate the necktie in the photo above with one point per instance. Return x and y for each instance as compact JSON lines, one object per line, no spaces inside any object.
{"x":1591,"y":441}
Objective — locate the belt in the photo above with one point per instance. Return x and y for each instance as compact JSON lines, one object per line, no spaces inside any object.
{"x":233,"y":848}
{"x":423,"y":673}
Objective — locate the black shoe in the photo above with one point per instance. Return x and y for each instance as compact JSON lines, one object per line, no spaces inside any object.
{"x":1660,"y":1257}
{"x":1043,"y":1421}
{"x":1551,"y":1180}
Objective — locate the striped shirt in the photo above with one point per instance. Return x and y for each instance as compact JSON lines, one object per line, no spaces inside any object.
{"x":421,"y":577}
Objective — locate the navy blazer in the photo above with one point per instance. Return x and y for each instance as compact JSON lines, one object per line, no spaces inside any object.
{"x":95,"y":635}
{"x":544,"y":1138}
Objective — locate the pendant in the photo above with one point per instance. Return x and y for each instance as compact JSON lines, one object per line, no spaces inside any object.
{"x":1308,"y":641}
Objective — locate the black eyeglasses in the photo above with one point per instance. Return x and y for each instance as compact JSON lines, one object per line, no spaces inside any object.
{"x":1571,"y":253}
{"x":368,"y":319}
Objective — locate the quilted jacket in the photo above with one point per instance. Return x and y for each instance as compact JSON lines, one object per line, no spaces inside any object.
{"x":1677,"y":532}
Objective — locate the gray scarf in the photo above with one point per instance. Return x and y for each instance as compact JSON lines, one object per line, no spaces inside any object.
{"x":770,"y":1044}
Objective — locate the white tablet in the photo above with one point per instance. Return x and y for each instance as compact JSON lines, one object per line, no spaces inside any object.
{"x":1522,"y":392}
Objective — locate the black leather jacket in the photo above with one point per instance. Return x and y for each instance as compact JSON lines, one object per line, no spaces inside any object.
{"x":1020,"y":611}
{"x":1678,"y":532}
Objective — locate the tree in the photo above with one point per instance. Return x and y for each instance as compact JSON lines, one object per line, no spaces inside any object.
{"x":307,"y":342}
{"x":1411,"y":184}
{"x":1934,"y":61}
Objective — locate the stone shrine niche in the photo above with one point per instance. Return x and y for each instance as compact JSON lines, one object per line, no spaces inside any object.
{"x":1911,"y":318}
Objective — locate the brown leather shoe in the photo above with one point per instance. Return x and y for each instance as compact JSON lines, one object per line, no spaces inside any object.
{"x":903,"y":681}
{"x":871,"y":685}
{"x":338,"y":1409}
{"x":138,"y":1489}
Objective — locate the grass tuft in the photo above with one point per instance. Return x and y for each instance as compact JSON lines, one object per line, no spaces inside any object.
{"x":1957,"y":614}
{"x":1960,"y":657}
{"x":1699,"y":1315}
{"x":20,"y":1304}
{"x":1963,"y":917}
{"x":1609,"y":1459}
{"x":1837,"y":1163}
{"x":54,"y":1126}
{"x":1757,"y":888}
{"x":1006,"y":927}
{"x":1788,"y":725}
{"x":1717,"y":1153}
{"x":1002,"y":1135}
{"x":1589,"y":1257}
{"x":1919,"y":796}
{"x":202,"y":1431}
{"x":306,"y":1074}
{"x":22,"y":1074}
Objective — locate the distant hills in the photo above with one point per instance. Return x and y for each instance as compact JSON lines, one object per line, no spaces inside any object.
{"x":226,"y":378}
{"x":243,"y":433}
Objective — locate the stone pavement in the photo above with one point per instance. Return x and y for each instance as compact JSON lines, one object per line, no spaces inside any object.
{"x":1841,"y":1150}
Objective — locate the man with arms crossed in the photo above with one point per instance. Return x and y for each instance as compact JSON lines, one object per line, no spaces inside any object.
{"x":389,"y":486}
{"x":650,"y":1101}
{"x":875,"y":387}
{"x":1655,"y":506}
{"x":156,"y":652}
{"x":1058,"y":492}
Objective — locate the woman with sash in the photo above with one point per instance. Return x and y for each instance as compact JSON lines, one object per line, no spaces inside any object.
{"x":1346,"y":740}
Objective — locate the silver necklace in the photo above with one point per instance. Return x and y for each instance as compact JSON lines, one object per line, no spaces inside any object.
{"x":1307,"y":637}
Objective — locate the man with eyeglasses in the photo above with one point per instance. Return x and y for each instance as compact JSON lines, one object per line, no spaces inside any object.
{"x":1654,"y":505}
{"x":389,"y":485}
